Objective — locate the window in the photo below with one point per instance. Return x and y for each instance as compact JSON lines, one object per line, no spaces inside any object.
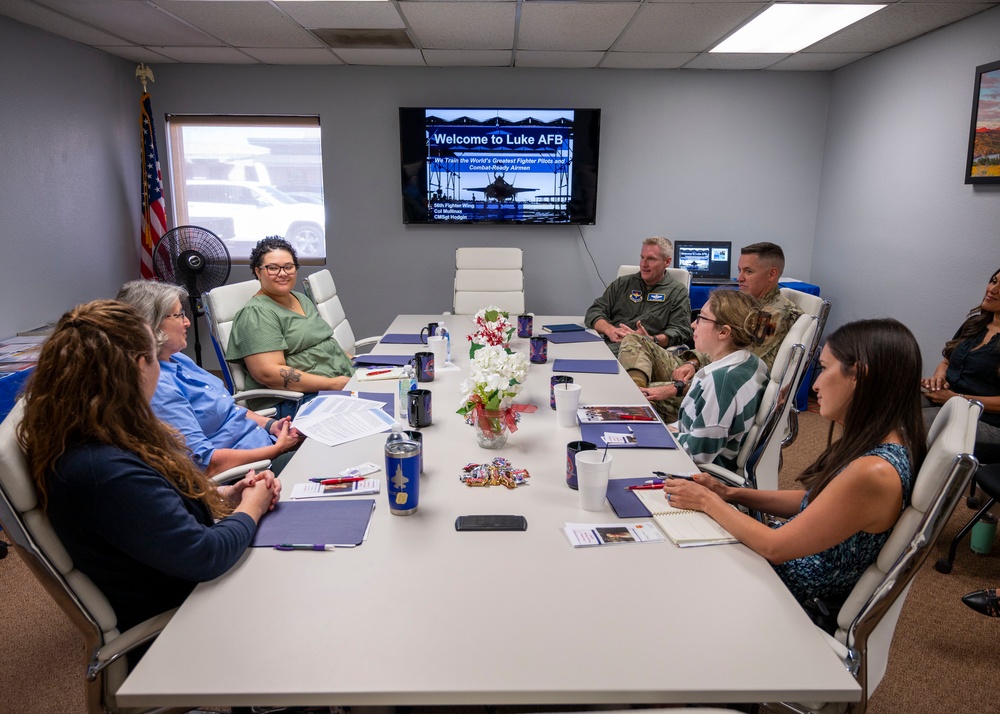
{"x":244,"y":178}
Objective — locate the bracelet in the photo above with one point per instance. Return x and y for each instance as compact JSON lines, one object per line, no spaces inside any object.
{"x":269,"y":424}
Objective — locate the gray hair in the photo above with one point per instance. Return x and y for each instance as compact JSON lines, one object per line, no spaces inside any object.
{"x":154,"y":301}
{"x":665,"y":246}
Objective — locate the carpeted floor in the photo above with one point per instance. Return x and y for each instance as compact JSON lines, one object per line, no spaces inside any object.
{"x":943,"y":655}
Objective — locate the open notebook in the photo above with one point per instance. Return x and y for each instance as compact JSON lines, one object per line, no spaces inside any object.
{"x":685,"y":528}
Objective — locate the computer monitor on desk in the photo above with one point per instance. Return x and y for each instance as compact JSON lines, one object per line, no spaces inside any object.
{"x":709,"y":262}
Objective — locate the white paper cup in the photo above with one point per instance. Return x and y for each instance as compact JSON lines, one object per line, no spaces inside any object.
{"x":439,"y":346}
{"x":567,"y":400}
{"x":593,"y":469}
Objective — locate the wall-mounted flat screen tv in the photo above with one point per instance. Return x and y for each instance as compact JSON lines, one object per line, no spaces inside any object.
{"x":499,"y":165}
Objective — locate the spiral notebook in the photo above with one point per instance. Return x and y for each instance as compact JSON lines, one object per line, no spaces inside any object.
{"x":685,"y":528}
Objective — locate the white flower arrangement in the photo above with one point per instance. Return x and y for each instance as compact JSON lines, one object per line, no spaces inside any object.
{"x":493,"y":327}
{"x":495,"y":378}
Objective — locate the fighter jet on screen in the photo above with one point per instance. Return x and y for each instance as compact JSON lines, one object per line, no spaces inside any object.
{"x":500,"y":190}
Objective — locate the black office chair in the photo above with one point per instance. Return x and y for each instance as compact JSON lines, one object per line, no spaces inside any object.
{"x":985,"y":454}
{"x":988,"y":479}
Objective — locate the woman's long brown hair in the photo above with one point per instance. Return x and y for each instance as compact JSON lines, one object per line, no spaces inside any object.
{"x":975,"y":323}
{"x":885,"y":358}
{"x":88,"y":387}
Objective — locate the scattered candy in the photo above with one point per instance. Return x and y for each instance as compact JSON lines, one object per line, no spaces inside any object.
{"x":498,"y":472}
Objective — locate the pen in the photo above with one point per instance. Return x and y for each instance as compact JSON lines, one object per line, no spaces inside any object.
{"x":644,"y":487}
{"x":303,"y":546}
{"x":662,"y":474}
{"x":378,"y":371}
{"x":634,"y":417}
{"x":335,"y":481}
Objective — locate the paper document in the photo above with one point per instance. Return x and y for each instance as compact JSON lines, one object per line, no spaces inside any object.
{"x":333,"y":420}
{"x":318,"y":490}
{"x":587,"y":534}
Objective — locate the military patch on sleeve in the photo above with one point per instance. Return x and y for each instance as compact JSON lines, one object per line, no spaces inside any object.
{"x":656,"y":297}
{"x":635,"y":296}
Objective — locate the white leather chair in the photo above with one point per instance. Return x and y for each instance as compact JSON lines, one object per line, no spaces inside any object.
{"x":221,"y":305}
{"x":868,"y":618}
{"x":40,"y":549}
{"x":323,"y":292}
{"x":759,"y":459}
{"x":679,"y":274}
{"x":820,"y":309}
{"x":488,"y":276}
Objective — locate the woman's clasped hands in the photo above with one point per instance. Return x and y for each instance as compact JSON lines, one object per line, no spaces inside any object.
{"x":256,"y":491}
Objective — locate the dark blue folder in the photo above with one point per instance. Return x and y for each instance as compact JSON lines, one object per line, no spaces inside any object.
{"x":382,"y":360}
{"x":648,"y":435}
{"x":318,"y":522}
{"x":591,"y":366}
{"x":396,"y":338}
{"x":625,"y":502}
{"x":559,"y":338}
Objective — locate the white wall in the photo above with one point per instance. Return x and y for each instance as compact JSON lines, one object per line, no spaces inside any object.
{"x":69,"y":175}
{"x":899,"y":233}
{"x":696,"y":155}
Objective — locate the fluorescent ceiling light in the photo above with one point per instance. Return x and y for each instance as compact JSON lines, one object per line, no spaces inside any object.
{"x":789,"y":27}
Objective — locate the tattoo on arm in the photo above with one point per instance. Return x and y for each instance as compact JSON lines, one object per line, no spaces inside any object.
{"x":289,"y":375}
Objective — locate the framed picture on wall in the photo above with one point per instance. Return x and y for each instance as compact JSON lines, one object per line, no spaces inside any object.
{"x":983,"y":165}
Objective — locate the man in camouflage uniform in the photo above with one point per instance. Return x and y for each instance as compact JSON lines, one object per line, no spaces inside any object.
{"x":659,"y":373}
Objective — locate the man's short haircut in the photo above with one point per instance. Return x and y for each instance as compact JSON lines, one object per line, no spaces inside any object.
{"x":770,"y":253}
{"x":665,"y":246}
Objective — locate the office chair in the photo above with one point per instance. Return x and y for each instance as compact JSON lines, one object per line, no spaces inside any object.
{"x":488,"y":276}
{"x":759,"y":460}
{"x":39,"y":547}
{"x":820,"y":309}
{"x":679,"y":274}
{"x":221,"y":305}
{"x":323,"y":292}
{"x":868,"y":617}
{"x":988,"y":479}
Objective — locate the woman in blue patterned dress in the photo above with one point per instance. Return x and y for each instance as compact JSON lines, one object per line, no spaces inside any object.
{"x":855,"y":491}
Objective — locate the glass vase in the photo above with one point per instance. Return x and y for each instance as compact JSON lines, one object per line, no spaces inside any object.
{"x":491,"y":428}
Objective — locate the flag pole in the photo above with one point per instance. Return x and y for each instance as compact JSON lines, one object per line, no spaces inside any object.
{"x":154,"y":219}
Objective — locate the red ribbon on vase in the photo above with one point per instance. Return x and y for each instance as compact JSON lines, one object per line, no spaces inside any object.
{"x":508,"y":416}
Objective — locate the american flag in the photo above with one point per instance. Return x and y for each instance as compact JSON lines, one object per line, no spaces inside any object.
{"x":154,"y":218}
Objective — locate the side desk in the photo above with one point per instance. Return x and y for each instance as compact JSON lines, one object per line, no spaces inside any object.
{"x":423,"y":615}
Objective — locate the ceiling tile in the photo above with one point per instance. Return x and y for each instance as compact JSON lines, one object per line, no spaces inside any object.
{"x":344,"y":15}
{"x":818,"y":61}
{"x":666,"y":27}
{"x":295,"y":55}
{"x":733,"y":61}
{"x":137,"y":54}
{"x":205,"y":55}
{"x":895,"y":24}
{"x":647,"y":60}
{"x":468,"y":58}
{"x":243,"y":24}
{"x":572,"y":26}
{"x":465,"y":26}
{"x":531,"y":58}
{"x":407,"y":58}
{"x":31,"y":14}
{"x":137,"y":21}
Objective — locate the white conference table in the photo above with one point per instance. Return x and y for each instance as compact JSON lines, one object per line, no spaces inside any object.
{"x":423,"y":615}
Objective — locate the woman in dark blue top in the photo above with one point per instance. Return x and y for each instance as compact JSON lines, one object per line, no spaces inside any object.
{"x":136,"y":515}
{"x":971,"y":368}
{"x":855,"y":491}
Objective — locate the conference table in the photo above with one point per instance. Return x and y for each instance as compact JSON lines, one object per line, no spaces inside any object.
{"x":420,"y":614}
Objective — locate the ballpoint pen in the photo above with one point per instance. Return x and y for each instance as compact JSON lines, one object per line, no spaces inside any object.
{"x":663,"y":474}
{"x":634,"y":417}
{"x":336,"y":481}
{"x":303,"y":546}
{"x":378,"y":371}
{"x":644,"y":487}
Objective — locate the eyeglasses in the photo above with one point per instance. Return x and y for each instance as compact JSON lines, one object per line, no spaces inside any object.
{"x":275,"y":269}
{"x":706,"y":319}
{"x":182,"y":315}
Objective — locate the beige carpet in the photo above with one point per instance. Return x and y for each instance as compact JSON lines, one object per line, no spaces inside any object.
{"x":944,"y":656}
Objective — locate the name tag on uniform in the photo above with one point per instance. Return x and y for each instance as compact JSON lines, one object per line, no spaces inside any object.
{"x":656,"y":297}
{"x":635,"y":296}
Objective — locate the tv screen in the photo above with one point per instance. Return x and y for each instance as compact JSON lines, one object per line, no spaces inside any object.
{"x":499,"y":165}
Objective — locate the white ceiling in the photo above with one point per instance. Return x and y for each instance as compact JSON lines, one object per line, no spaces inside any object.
{"x":644,"y":34}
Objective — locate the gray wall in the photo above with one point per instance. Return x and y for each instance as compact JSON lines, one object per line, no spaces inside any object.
{"x":867,"y":198}
{"x":695,"y":155}
{"x":899,"y":233}
{"x":69,"y":162}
